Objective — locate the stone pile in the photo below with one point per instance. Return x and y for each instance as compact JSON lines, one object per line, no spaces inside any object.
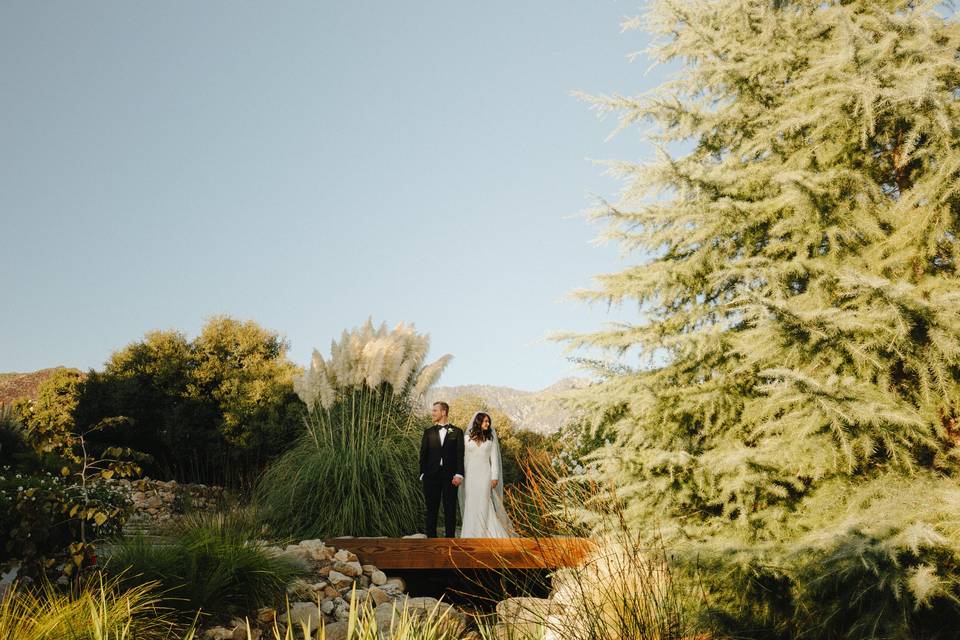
{"x":323,"y":596}
{"x":157,"y":502}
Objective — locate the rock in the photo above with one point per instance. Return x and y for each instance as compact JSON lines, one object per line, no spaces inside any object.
{"x":451,"y":623}
{"x":369,"y":568}
{"x":301,"y":613}
{"x":218,"y":633}
{"x":327,"y":606}
{"x":416,"y":535}
{"x":397,"y":583}
{"x":300,"y":588}
{"x":243,"y":632}
{"x":317,"y":550}
{"x":341,"y":610}
{"x":336,"y":631}
{"x":339,"y":580}
{"x":379,"y":596}
{"x":344,"y":556}
{"x":296,"y":556}
{"x":330,"y":592}
{"x":527,"y":616}
{"x":266,"y":614}
{"x":378,"y":578}
{"x":352,"y":569}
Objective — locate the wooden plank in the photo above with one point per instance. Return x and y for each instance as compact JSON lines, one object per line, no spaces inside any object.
{"x":466,"y":553}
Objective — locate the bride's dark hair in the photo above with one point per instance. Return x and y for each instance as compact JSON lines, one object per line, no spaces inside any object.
{"x":476,"y":432}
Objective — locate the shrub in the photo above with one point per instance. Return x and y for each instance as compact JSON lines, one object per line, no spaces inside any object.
{"x":44,"y":519}
{"x":14,"y":441}
{"x":213,"y":563}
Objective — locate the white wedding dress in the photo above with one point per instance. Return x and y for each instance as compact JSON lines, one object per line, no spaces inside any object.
{"x":481,"y":507}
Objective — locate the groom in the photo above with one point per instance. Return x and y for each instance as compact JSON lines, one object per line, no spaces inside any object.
{"x":441,"y":470}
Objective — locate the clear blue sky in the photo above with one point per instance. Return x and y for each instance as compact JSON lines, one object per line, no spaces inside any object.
{"x":306,"y":165}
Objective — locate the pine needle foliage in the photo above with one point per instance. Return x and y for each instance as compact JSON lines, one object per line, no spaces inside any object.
{"x":797,"y":398}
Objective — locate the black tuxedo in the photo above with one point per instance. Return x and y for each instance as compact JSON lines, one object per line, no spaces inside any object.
{"x":438,"y":464}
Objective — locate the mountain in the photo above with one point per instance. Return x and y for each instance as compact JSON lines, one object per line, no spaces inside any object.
{"x":539,"y":411}
{"x":23,"y":385}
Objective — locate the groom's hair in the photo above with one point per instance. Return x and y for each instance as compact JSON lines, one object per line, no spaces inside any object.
{"x":444,"y":406}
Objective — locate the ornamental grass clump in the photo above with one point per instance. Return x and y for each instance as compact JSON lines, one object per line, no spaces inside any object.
{"x":354,"y":470}
{"x":94,"y":609}
{"x":213,"y":563}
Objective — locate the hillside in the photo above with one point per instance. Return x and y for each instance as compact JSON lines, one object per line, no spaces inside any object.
{"x":23,"y":385}
{"x":539,"y":411}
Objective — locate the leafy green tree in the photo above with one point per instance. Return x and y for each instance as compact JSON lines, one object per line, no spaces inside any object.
{"x":214,"y":409}
{"x":49,"y":418}
{"x":244,"y":369}
{"x":795,"y":406}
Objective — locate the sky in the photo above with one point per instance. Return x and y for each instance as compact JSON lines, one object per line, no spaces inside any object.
{"x":308,"y":165}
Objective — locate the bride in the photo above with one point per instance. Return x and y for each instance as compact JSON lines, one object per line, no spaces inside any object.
{"x":481,"y":496}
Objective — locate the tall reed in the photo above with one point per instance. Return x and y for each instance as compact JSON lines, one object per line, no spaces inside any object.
{"x":625,"y":588}
{"x":353,"y":472}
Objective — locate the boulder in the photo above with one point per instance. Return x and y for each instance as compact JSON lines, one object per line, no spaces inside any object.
{"x":528,"y":616}
{"x":451,"y":623}
{"x":302,"y":613}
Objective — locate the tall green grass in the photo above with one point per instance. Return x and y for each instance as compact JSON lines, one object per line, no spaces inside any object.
{"x":353,"y":472}
{"x":212,"y":563}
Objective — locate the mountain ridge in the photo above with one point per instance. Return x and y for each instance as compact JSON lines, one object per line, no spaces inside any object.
{"x":541,"y":411}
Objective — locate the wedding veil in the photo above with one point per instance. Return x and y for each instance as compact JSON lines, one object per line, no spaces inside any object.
{"x":496,"y":497}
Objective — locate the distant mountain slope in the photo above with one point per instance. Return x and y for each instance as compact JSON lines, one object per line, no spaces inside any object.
{"x":538,"y":411}
{"x":23,"y":385}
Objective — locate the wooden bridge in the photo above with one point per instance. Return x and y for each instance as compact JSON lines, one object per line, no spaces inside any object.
{"x":467,"y":553}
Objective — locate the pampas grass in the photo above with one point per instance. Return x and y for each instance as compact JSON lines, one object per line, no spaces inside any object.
{"x":354,"y":471}
{"x":371,"y":357}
